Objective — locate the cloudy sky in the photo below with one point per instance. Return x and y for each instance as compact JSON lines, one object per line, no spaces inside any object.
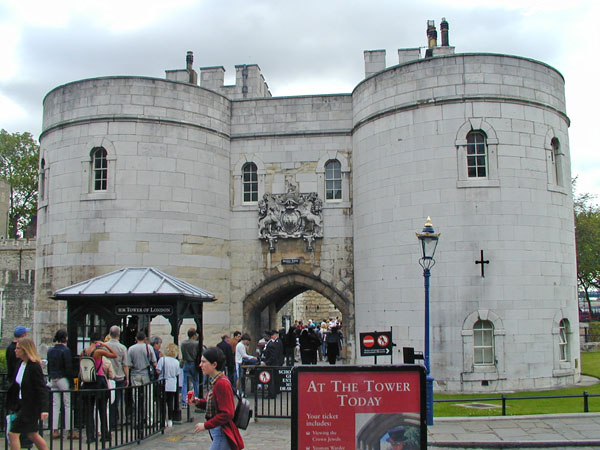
{"x":302,"y":47}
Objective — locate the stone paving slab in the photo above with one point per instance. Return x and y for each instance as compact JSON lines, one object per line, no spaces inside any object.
{"x":550,"y":432}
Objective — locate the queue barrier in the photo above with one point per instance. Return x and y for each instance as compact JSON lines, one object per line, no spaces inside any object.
{"x":139,"y":414}
{"x":271,"y":389}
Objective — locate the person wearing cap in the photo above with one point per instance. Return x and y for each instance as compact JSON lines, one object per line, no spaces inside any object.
{"x":12,"y":362}
{"x":273,"y":354}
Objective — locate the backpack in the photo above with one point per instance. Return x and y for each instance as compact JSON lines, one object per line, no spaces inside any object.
{"x":243,"y":413}
{"x":87,"y":368}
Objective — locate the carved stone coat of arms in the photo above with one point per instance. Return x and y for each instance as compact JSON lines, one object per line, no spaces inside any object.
{"x":290,"y":216}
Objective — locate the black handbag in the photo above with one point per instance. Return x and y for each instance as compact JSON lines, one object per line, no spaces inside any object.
{"x":151,"y":369}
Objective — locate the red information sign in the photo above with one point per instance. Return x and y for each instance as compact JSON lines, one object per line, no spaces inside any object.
{"x":349,"y":407}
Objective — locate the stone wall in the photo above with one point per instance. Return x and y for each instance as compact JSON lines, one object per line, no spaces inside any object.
{"x":17,"y":278}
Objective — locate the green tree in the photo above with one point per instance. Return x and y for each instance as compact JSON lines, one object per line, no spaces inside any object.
{"x":587,"y":237}
{"x":19,"y":153}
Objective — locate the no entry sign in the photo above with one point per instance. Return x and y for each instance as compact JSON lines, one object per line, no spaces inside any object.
{"x":376,"y":343}
{"x":368,"y":341}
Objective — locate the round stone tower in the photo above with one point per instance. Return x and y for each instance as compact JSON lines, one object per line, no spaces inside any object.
{"x":479,"y":143}
{"x":138,"y":176}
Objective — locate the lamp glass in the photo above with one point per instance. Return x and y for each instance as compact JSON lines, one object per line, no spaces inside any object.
{"x":429,"y":244}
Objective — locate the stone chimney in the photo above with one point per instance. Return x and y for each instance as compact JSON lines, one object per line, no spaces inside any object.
{"x":431,"y":34}
{"x":374,"y":61}
{"x":444,"y":29}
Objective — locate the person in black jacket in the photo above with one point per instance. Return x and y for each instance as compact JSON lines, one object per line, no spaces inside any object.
{"x":309,"y":343}
{"x":273,"y":354}
{"x":60,"y":373}
{"x":28,"y":395}
{"x":225,"y":347}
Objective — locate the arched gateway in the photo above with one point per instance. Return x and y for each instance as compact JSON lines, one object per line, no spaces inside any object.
{"x":276,"y":291}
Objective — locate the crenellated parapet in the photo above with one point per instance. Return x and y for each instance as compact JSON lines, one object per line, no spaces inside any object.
{"x":17,"y":244}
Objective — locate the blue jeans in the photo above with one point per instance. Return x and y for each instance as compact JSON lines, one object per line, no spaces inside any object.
{"x":190,"y":372}
{"x":220,"y":441}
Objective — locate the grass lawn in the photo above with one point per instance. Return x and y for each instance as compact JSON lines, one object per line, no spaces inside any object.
{"x":590,"y":364}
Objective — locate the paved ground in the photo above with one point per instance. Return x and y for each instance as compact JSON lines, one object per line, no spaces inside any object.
{"x":547,"y":431}
{"x":560,"y":431}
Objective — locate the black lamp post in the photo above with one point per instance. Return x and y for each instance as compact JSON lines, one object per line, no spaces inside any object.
{"x":429,"y":241}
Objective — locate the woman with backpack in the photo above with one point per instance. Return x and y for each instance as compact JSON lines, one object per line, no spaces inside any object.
{"x":96,"y":351}
{"x":28,"y":395}
{"x":219,"y":404}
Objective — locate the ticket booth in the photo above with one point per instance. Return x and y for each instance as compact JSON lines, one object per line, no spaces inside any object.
{"x":131,"y":298}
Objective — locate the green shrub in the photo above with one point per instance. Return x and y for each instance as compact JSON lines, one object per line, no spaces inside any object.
{"x":2,"y":361}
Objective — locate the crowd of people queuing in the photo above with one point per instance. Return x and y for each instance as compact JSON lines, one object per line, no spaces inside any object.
{"x":187,"y":368}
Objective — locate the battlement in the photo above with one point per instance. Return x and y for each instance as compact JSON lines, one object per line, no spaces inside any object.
{"x":375,"y":59}
{"x":249,"y":81}
{"x":17,"y":244}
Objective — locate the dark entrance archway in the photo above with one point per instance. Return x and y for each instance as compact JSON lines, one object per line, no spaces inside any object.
{"x":276,"y":291}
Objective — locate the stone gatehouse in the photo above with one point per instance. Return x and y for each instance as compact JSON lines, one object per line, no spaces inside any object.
{"x":171,"y":173}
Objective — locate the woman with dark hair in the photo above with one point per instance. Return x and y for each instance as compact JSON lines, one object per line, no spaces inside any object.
{"x":60,"y":372}
{"x":28,"y":396}
{"x":219,"y":404}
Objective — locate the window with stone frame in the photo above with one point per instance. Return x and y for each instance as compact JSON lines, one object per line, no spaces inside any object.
{"x":563,"y":340}
{"x":250,"y":182}
{"x":556,"y":162}
{"x":477,"y":155}
{"x":483,"y":343}
{"x":333,"y":180}
{"x":99,"y":169}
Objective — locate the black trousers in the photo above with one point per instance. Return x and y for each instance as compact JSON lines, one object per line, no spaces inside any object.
{"x":99,"y":399}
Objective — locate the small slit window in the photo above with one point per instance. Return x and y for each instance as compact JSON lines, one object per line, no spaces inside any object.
{"x":556,"y":161}
{"x":43,"y":179}
{"x":333,"y":180}
{"x":563,"y":340}
{"x":250,"y":182}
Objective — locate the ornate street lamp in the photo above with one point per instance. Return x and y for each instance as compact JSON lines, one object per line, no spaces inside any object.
{"x":429,"y":240}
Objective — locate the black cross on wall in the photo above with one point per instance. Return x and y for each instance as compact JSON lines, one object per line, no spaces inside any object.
{"x":482,"y":262}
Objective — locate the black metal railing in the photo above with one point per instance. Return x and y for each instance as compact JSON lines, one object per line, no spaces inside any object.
{"x":92,"y":419}
{"x":585,"y":396}
{"x":271,"y":389}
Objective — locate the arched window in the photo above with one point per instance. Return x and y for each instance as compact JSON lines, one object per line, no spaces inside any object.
{"x":556,"y":161}
{"x":333,"y":180}
{"x":483,"y":343}
{"x":99,"y":169}
{"x":250,"y":182}
{"x":476,"y":155}
{"x":563,"y":340}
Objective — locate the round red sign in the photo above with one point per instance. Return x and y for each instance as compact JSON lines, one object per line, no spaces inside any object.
{"x":264,"y":377}
{"x":368,"y":341}
{"x":383,"y":340}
